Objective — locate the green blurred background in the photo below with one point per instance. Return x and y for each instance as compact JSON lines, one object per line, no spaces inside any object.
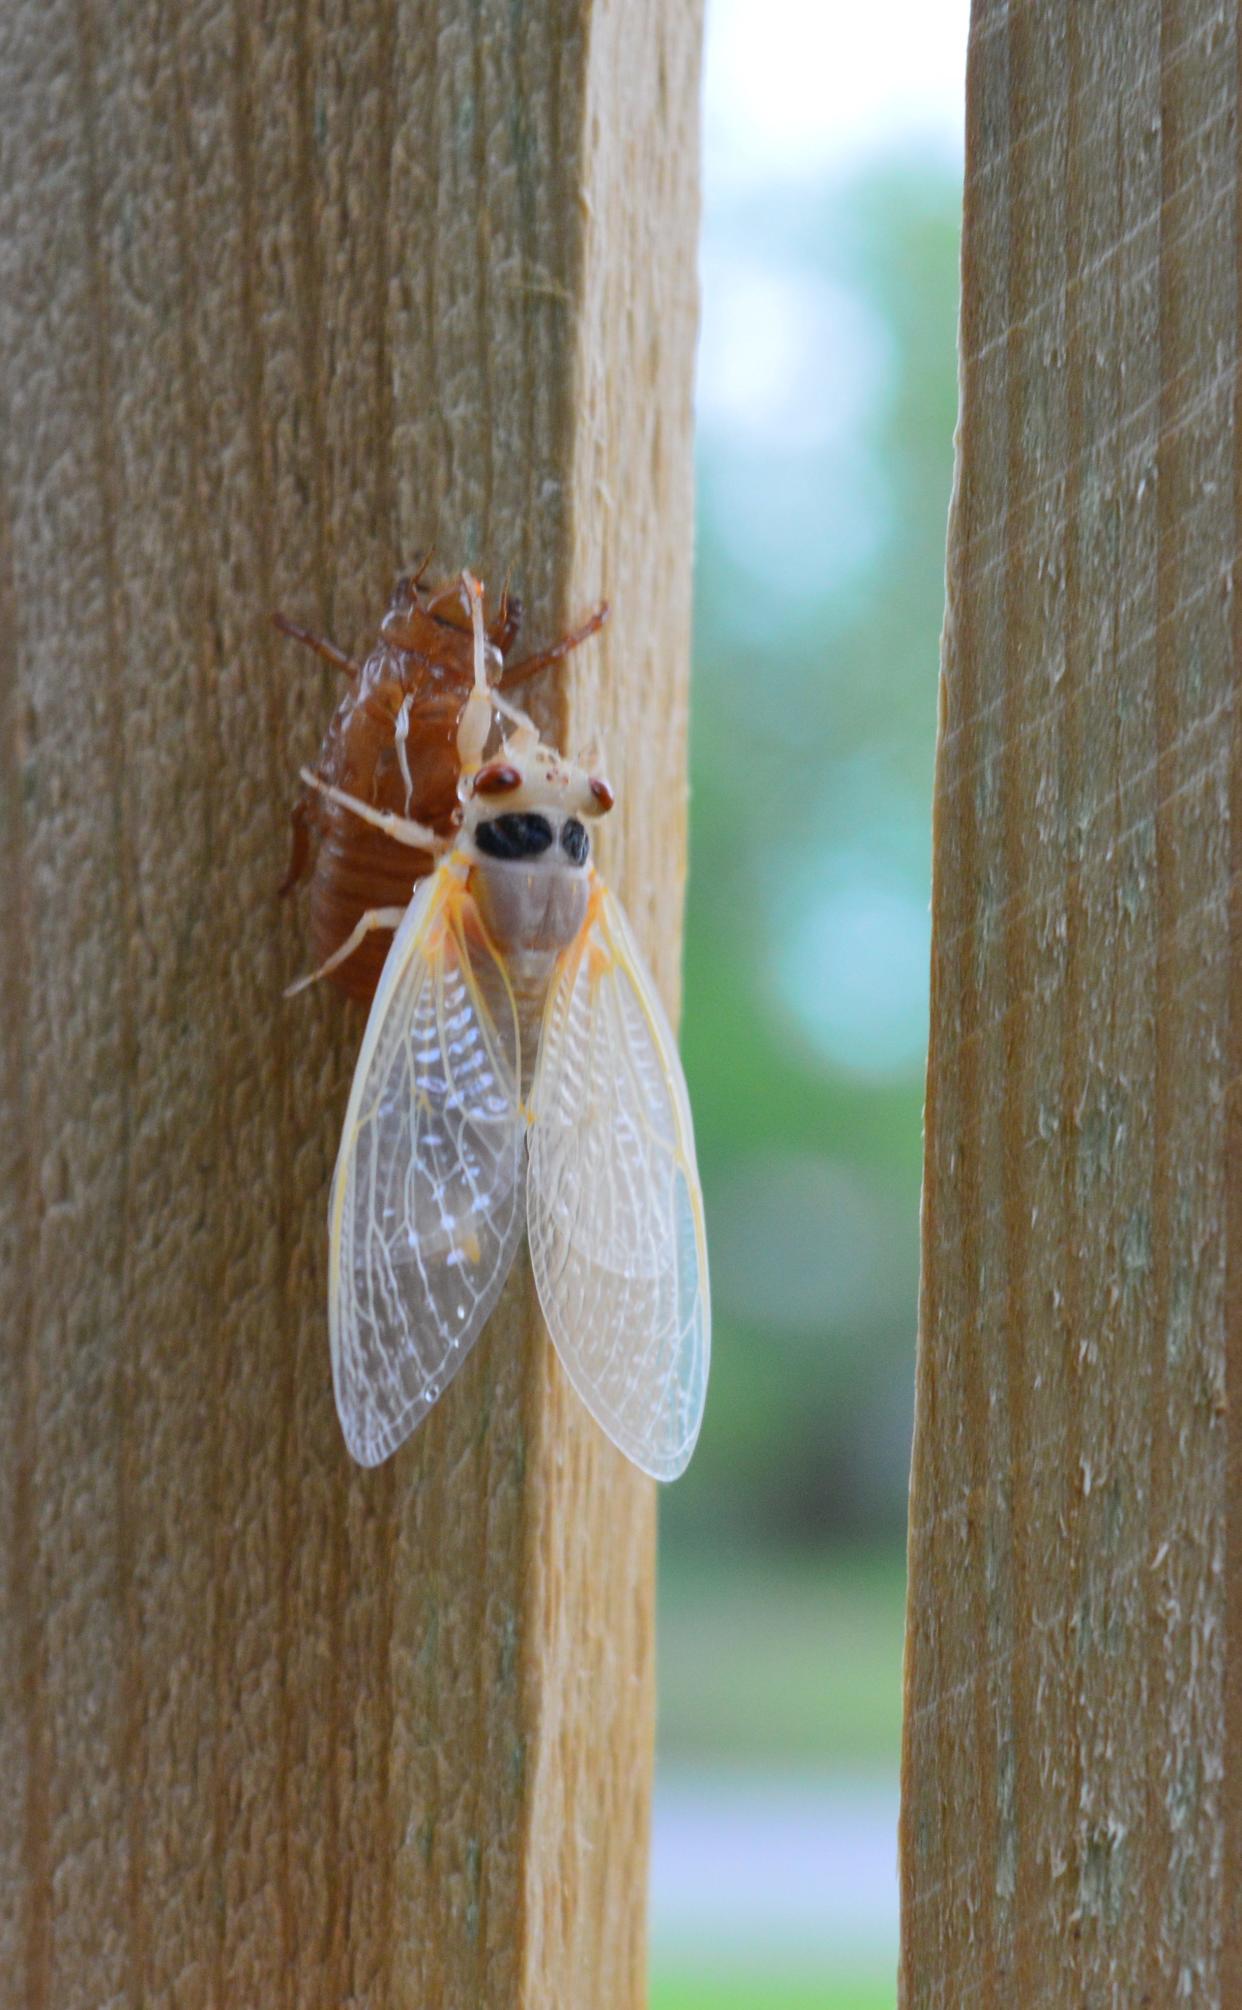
{"x":826,"y":405}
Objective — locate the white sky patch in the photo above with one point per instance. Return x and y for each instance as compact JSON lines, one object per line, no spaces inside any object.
{"x":785,"y":358}
{"x":796,"y":87}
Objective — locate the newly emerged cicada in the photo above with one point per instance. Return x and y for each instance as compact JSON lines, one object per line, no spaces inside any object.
{"x":517,"y":1073}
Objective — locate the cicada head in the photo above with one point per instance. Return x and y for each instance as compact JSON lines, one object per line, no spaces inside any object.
{"x":524,"y":816}
{"x":527,"y":775}
{"x":524,"y":825}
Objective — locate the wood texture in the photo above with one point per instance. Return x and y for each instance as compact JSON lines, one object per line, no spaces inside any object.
{"x":1072,"y":1806}
{"x":287,"y":296}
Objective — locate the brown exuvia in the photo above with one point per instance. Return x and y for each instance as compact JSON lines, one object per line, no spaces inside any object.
{"x":393,"y":742}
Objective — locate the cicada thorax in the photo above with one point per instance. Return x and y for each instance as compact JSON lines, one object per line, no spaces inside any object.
{"x":530,"y":877}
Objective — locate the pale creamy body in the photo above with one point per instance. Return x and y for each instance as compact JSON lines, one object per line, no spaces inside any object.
{"x":532,"y":909}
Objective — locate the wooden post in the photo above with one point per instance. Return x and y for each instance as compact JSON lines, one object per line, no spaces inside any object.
{"x":1072,"y":1795}
{"x":287,"y":299}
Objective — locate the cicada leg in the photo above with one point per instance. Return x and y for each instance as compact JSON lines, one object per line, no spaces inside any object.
{"x":517,"y":673}
{"x":375,"y":917}
{"x":319,"y":643}
{"x":404,"y":829}
{"x":514,"y":714}
{"x":300,"y":853}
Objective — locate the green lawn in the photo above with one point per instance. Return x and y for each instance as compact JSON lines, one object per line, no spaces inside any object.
{"x":769,"y":1992}
{"x":789,"y":1662}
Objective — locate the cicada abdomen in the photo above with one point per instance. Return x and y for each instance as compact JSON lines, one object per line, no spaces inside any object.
{"x":392,"y":743}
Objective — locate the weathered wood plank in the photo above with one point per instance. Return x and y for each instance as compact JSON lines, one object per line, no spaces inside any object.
{"x":1071,"y":1812}
{"x":289,"y":297}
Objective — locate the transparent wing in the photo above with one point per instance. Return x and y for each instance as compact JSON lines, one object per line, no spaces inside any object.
{"x":614,"y":1209}
{"x":426,"y":1210}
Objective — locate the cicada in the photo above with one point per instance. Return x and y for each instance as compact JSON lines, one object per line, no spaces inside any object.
{"x":517,"y":1075}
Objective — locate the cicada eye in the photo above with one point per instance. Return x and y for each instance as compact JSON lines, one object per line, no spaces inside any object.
{"x":574,"y":841}
{"x":496,"y":779}
{"x":601,"y":792}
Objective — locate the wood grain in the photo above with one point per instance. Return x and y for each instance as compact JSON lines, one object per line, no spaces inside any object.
{"x":288,"y":296}
{"x":1072,"y":1810}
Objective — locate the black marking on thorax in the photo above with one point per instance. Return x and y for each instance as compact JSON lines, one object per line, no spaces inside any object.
{"x":521,"y":834}
{"x":574,"y":841}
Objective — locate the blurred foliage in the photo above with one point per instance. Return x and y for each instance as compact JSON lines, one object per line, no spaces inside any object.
{"x":784,"y":1660}
{"x":823,"y":491}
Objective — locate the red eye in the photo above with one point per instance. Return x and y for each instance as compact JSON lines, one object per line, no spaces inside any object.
{"x":496,"y":780}
{"x":602,"y":793}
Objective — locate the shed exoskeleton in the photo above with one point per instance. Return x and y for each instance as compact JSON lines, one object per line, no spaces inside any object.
{"x":392,"y":744}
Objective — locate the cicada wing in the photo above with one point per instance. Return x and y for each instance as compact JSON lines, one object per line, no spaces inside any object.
{"x":614,"y":1209}
{"x":426,"y":1211}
